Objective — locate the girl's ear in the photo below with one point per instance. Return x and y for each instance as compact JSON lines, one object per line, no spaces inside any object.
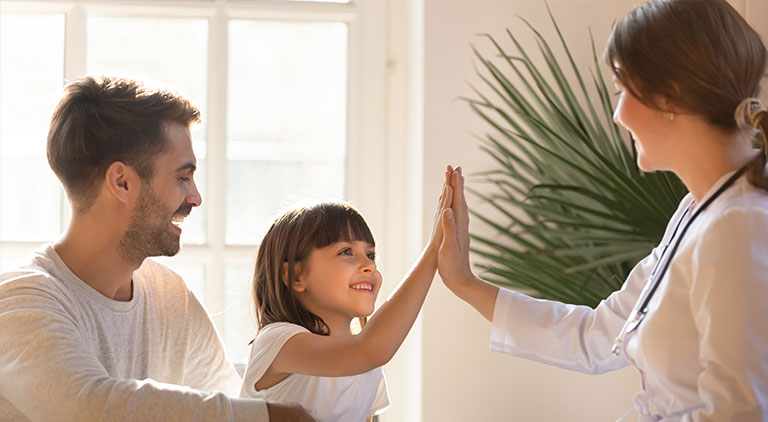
{"x":297,"y":284}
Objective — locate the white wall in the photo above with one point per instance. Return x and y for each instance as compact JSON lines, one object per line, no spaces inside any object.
{"x":462,"y":379}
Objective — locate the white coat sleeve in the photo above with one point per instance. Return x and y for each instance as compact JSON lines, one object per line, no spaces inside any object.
{"x":48,"y":372}
{"x":728,"y":298}
{"x":573,"y":337}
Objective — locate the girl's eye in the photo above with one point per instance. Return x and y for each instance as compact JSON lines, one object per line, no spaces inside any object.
{"x":346,"y":251}
{"x":372,"y":256}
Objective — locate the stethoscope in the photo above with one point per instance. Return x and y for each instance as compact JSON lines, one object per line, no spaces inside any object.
{"x":641,"y":307}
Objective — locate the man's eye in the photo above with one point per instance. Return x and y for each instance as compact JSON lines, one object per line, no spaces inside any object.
{"x":184,"y":178}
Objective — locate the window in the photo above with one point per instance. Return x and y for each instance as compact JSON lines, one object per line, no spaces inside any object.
{"x":291,"y":95}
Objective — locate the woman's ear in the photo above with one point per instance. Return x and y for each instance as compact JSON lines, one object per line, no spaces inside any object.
{"x":297,"y":284}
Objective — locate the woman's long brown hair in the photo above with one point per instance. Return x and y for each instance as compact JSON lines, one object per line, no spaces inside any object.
{"x":700,"y":55}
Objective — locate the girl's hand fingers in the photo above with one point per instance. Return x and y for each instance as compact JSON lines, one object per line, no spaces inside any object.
{"x":449,"y":246}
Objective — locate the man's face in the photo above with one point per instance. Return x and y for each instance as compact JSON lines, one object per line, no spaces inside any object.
{"x":164,"y":201}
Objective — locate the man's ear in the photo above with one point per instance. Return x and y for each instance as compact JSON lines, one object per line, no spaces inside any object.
{"x":297,"y":284}
{"x":121,"y":181}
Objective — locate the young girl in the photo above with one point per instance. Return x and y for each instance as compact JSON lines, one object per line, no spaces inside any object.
{"x":315,"y":273}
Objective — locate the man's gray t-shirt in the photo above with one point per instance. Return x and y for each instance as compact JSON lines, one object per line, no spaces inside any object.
{"x":69,"y":353}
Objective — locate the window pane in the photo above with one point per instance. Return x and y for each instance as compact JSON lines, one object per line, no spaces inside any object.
{"x":287,"y":108}
{"x":258,"y":191}
{"x":171,"y":51}
{"x":31,"y":78}
{"x":239,"y":316}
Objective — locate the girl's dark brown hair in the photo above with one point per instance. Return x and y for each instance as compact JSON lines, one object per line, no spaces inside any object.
{"x":700,"y":55}
{"x":288,"y":242}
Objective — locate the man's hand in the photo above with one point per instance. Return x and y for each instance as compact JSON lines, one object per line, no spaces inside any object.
{"x":288,"y":413}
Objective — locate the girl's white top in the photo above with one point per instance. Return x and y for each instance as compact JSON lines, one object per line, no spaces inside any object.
{"x":328,"y":399}
{"x":702,"y":350}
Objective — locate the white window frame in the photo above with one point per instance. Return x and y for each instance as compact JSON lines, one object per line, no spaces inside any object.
{"x":366,"y":130}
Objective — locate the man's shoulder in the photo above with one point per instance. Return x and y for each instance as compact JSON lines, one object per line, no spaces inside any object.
{"x":28,"y":277}
{"x":164,"y":287}
{"x":31,"y":288}
{"x":156,"y":275}
{"x":31,"y":273}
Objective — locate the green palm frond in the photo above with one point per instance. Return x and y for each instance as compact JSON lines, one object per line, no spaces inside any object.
{"x":576,"y":212}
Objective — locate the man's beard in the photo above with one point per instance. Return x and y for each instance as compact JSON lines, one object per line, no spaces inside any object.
{"x":149,"y":233}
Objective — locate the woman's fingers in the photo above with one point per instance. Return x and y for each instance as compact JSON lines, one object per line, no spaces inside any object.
{"x":460,"y":209}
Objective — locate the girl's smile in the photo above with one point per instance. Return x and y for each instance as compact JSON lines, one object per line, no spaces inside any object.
{"x":339,"y":282}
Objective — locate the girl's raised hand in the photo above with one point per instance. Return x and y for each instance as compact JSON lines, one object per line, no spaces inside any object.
{"x":444,"y":202}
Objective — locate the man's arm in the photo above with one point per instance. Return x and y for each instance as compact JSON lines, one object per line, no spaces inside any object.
{"x":288,"y":413}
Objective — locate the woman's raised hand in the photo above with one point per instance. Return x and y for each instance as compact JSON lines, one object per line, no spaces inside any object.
{"x":453,"y":256}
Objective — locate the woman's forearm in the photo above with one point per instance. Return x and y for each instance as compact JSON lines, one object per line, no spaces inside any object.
{"x":480,"y":294}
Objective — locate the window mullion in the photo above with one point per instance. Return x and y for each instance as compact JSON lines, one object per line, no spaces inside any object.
{"x":75,"y":35}
{"x":217,"y":162}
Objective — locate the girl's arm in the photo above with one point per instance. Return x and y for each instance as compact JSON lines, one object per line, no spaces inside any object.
{"x":333,"y":356}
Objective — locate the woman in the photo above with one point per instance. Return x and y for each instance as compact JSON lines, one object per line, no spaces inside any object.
{"x":692,"y":316}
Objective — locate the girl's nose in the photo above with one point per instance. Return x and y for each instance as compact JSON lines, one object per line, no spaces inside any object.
{"x":367,"y":265}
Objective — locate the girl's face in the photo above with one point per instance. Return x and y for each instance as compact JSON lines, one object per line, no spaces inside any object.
{"x":339,"y":282}
{"x":649,"y":129}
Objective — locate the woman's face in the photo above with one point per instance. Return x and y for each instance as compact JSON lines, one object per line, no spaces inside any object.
{"x":649,"y":129}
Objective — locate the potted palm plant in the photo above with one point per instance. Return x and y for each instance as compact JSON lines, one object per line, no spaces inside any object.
{"x":577,"y":211}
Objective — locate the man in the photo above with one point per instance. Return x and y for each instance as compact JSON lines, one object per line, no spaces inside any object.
{"x":90,"y":330}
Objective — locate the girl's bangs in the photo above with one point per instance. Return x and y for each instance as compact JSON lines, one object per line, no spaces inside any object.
{"x":338,"y":222}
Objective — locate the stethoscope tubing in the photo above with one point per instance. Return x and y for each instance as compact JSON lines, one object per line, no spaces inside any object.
{"x":639,"y":312}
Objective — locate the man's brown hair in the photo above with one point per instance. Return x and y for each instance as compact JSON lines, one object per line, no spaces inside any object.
{"x":101,"y":120}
